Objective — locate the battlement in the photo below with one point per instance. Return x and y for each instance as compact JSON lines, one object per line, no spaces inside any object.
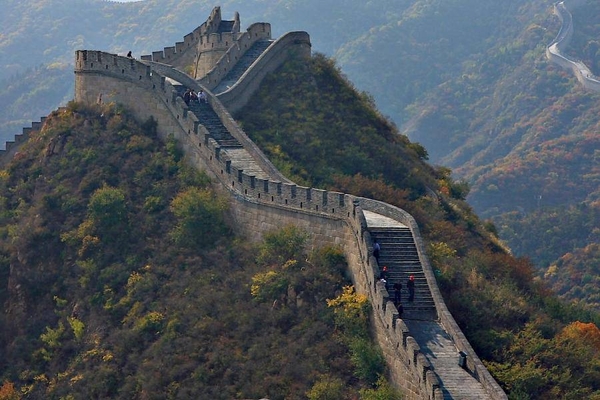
{"x":214,"y":35}
{"x":262,"y":199}
{"x":12,"y":146}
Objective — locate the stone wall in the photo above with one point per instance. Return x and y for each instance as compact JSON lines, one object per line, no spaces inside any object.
{"x":183,"y":54}
{"x":259,"y":206}
{"x":290,"y":45}
{"x":12,"y":146}
{"x":212,"y":74}
{"x":562,"y":40}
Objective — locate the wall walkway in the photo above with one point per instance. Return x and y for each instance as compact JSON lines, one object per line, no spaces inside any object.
{"x":560,"y":43}
{"x":423,"y":354}
{"x":264,"y":200}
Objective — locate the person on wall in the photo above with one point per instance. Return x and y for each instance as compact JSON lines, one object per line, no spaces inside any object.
{"x":410,"y":285}
{"x":376,"y":250}
{"x":202,"y":98}
{"x":397,"y":293}
{"x":187,"y":96}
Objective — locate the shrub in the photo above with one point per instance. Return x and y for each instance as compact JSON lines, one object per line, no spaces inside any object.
{"x":200,"y":219}
{"x":280,"y":246}
{"x":326,"y":388}
{"x":368,"y":360}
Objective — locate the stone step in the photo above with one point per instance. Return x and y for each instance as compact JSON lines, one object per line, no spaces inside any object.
{"x":242,"y":65}
{"x":399,"y":254}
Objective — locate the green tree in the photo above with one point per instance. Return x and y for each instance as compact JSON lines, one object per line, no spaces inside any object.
{"x":200,"y":217}
{"x":282,"y":245}
{"x":107,"y":211}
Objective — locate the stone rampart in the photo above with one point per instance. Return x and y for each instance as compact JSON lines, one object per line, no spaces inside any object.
{"x":256,"y":32}
{"x":183,"y":53}
{"x":261,"y":205}
{"x":292,"y":44}
{"x":12,"y":146}
{"x":473,"y":363}
{"x":562,"y":40}
{"x":100,"y":75}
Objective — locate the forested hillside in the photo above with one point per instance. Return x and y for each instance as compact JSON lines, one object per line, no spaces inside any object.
{"x":525,"y":135}
{"x":536,"y":346}
{"x":120,"y":277}
{"x":467,"y":79}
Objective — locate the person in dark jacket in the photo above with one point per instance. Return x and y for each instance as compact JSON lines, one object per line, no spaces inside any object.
{"x":376,"y":249}
{"x":410,"y":285}
{"x":397,"y":293}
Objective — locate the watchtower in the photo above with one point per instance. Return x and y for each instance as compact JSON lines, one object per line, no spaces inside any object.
{"x":217,"y":37}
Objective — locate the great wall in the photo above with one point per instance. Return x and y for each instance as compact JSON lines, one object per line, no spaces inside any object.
{"x":554,"y":52}
{"x":428,"y":355}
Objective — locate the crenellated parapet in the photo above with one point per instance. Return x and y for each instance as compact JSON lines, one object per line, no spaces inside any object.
{"x":214,"y":47}
{"x":12,"y":146}
{"x":263,"y":200}
{"x":184,"y":53}
{"x":211,"y":74}
{"x":562,"y":40}
{"x":290,"y":45}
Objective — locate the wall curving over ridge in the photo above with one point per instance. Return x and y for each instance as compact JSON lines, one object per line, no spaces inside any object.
{"x":262,"y":202}
{"x":562,"y":40}
{"x":290,"y":45}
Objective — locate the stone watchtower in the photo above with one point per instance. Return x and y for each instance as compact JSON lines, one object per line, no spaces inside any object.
{"x":209,"y":52}
{"x":216,"y":37}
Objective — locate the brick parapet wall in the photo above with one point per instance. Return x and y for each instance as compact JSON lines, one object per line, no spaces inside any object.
{"x":561,"y":42}
{"x":261,"y":205}
{"x":290,"y":45}
{"x":183,"y":53}
{"x":142,"y":75}
{"x":235,"y":50}
{"x":12,"y":146}
{"x":473,"y":363}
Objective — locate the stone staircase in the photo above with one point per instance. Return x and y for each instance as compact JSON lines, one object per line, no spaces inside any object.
{"x":437,"y":345}
{"x":242,"y":65}
{"x":399,"y":254}
{"x":239,"y":156}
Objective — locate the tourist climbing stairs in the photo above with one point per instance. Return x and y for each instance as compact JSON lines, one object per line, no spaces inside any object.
{"x":239,"y":156}
{"x":399,"y":254}
{"x":242,"y":65}
{"x":211,"y":121}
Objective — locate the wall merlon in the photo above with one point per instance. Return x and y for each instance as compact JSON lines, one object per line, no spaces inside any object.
{"x":275,"y":188}
{"x":188,"y":39}
{"x":304,"y":194}
{"x":248,"y":182}
{"x":236,"y":176}
{"x":434,"y":384}
{"x":413,"y":349}
{"x":181,"y":46}
{"x":289,"y":191}
{"x":390,"y":314}
{"x":169,"y":52}
{"x":8,"y":145}
{"x":423,"y":365}
{"x":262,"y":198}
